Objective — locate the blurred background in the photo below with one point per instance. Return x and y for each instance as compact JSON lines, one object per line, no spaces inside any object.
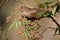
{"x":8,"y":7}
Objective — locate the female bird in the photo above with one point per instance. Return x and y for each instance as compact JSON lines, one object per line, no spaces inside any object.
{"x":30,"y":12}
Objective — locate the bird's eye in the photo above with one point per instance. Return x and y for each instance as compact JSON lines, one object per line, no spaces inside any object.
{"x":22,"y":7}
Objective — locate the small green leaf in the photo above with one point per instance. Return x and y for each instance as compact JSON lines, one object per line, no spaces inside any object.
{"x":40,"y":5}
{"x":24,"y":33}
{"x":29,"y":34}
{"x":30,"y":29}
{"x":48,"y":14}
{"x":47,"y":4}
{"x":37,"y":1}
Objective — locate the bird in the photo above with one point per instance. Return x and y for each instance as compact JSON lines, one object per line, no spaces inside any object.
{"x":31,"y":12}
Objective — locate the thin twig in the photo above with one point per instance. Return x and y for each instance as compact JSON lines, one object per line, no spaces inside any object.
{"x":56,"y":23}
